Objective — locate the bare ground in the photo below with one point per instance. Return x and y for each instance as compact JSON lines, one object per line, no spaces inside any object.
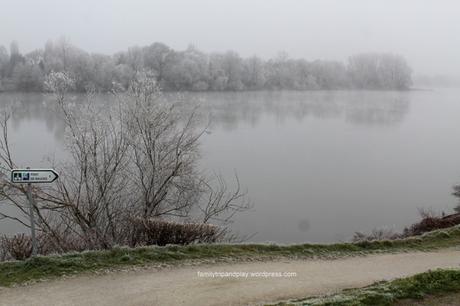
{"x":183,"y":286}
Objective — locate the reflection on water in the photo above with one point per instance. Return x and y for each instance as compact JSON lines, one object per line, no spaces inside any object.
{"x":318,"y":165}
{"x":230,"y":109}
{"x":369,"y":108}
{"x":27,"y":107}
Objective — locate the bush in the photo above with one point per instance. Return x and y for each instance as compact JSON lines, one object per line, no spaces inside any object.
{"x":376,"y":234}
{"x":64,"y":242}
{"x":161,"y":232}
{"x":432,"y":222}
{"x":140,"y":232}
{"x":18,"y":247}
{"x":429,"y":222}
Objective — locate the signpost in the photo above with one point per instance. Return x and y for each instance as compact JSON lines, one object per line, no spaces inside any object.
{"x":33,"y":175}
{"x":29,"y":176}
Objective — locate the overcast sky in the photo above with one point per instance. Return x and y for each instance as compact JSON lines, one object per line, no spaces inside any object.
{"x":426,"y":32}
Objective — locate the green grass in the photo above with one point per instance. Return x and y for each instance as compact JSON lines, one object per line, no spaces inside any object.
{"x":444,"y":299}
{"x":416,"y":287}
{"x":16,"y":272}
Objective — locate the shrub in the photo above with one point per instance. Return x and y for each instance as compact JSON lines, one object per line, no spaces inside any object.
{"x":64,"y":242}
{"x":139,"y":232}
{"x":18,"y":247}
{"x":376,"y":234}
{"x":161,"y":232}
{"x":431,"y":222}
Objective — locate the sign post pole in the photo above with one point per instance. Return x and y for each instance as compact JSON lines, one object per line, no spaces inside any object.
{"x":29,"y":176}
{"x":32,"y":219}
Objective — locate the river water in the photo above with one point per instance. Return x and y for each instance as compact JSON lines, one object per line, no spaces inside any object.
{"x":318,"y":165}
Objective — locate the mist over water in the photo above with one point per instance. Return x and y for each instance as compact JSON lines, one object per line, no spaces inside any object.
{"x":318,"y":165}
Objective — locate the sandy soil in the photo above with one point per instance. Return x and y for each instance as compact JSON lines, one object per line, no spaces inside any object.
{"x":184,"y":286}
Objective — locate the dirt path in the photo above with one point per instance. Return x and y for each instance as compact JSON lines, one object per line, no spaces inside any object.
{"x":183,"y":286}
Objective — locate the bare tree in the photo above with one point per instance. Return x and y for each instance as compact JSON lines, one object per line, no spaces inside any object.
{"x":164,"y":151}
{"x":135,"y":158}
{"x":14,"y":196}
{"x":92,"y":194}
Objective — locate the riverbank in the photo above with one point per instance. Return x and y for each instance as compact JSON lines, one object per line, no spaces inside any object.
{"x":48,"y":267}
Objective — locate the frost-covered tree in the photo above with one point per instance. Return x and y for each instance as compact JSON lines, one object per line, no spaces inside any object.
{"x":4,"y":60}
{"x":28,"y":77}
{"x":379,"y":71}
{"x":253,"y":75}
{"x":158,"y":58}
{"x":136,"y":158}
{"x":194,"y":70}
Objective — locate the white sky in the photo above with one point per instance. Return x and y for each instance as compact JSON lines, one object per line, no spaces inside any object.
{"x":427,"y":32}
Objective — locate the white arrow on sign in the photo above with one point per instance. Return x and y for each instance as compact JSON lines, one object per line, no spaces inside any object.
{"x":33,"y":175}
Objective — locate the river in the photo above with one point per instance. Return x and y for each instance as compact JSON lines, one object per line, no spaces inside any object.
{"x":317,"y":165}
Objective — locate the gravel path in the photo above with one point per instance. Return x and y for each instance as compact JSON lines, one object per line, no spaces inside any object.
{"x":186,"y":286}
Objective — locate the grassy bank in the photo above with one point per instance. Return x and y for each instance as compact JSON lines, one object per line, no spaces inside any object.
{"x":53,"y":266}
{"x":400,"y":292}
{"x":444,"y":299}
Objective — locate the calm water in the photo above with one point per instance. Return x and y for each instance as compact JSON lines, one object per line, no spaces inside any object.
{"x":317,"y":165}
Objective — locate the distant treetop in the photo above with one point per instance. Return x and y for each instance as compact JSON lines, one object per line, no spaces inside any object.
{"x":194,"y":70}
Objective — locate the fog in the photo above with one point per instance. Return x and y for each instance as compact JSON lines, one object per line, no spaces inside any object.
{"x":425,"y":32}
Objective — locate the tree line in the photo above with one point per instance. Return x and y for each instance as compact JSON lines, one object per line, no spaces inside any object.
{"x":194,"y":70}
